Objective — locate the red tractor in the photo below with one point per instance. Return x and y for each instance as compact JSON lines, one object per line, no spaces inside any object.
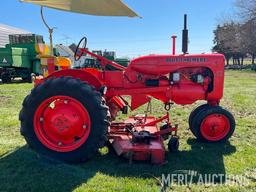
{"x":70,"y":114}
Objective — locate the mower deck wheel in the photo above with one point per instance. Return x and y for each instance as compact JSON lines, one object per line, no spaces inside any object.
{"x":166,"y":136}
{"x":173,"y":144}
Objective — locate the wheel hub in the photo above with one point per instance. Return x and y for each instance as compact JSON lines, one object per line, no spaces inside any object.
{"x":215,"y":127}
{"x":62,"y":123}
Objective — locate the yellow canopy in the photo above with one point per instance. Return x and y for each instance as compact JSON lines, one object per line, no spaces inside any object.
{"x":91,"y":7}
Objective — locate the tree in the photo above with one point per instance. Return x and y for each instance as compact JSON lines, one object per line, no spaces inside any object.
{"x":228,"y":41}
{"x":246,"y":9}
{"x":249,"y":38}
{"x":247,"y":12}
{"x":220,"y":43}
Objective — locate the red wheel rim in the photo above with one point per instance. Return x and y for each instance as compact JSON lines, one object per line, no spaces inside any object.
{"x":62,"y":123}
{"x":215,"y":127}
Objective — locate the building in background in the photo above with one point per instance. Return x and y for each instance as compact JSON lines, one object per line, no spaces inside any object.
{"x":6,"y":30}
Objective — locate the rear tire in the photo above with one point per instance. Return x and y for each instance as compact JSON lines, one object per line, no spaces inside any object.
{"x":84,"y":95}
{"x":213,"y":124}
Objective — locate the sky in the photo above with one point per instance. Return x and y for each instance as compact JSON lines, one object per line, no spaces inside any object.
{"x":129,"y":37}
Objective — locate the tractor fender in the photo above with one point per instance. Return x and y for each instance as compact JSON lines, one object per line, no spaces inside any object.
{"x":91,"y":76}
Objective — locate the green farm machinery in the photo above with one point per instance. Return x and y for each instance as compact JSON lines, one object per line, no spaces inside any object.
{"x":111,"y":55}
{"x":91,"y":62}
{"x":21,"y":57}
{"x":27,"y":55}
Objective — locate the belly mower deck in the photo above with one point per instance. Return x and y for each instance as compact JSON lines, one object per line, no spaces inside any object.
{"x":139,"y":138}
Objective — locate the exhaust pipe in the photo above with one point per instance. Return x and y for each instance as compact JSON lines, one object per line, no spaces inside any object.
{"x":185,"y":36}
{"x":174,"y":44}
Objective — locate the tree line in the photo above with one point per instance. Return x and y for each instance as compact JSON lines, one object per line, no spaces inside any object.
{"x":237,"y":39}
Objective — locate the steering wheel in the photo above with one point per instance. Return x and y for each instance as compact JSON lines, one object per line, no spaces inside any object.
{"x":78,"y":53}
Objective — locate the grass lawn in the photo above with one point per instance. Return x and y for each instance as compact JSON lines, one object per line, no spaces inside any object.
{"x":23,"y":170}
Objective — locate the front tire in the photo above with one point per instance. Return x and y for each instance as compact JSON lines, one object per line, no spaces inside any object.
{"x":195,"y":112}
{"x":213,"y":124}
{"x":65,"y":119}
